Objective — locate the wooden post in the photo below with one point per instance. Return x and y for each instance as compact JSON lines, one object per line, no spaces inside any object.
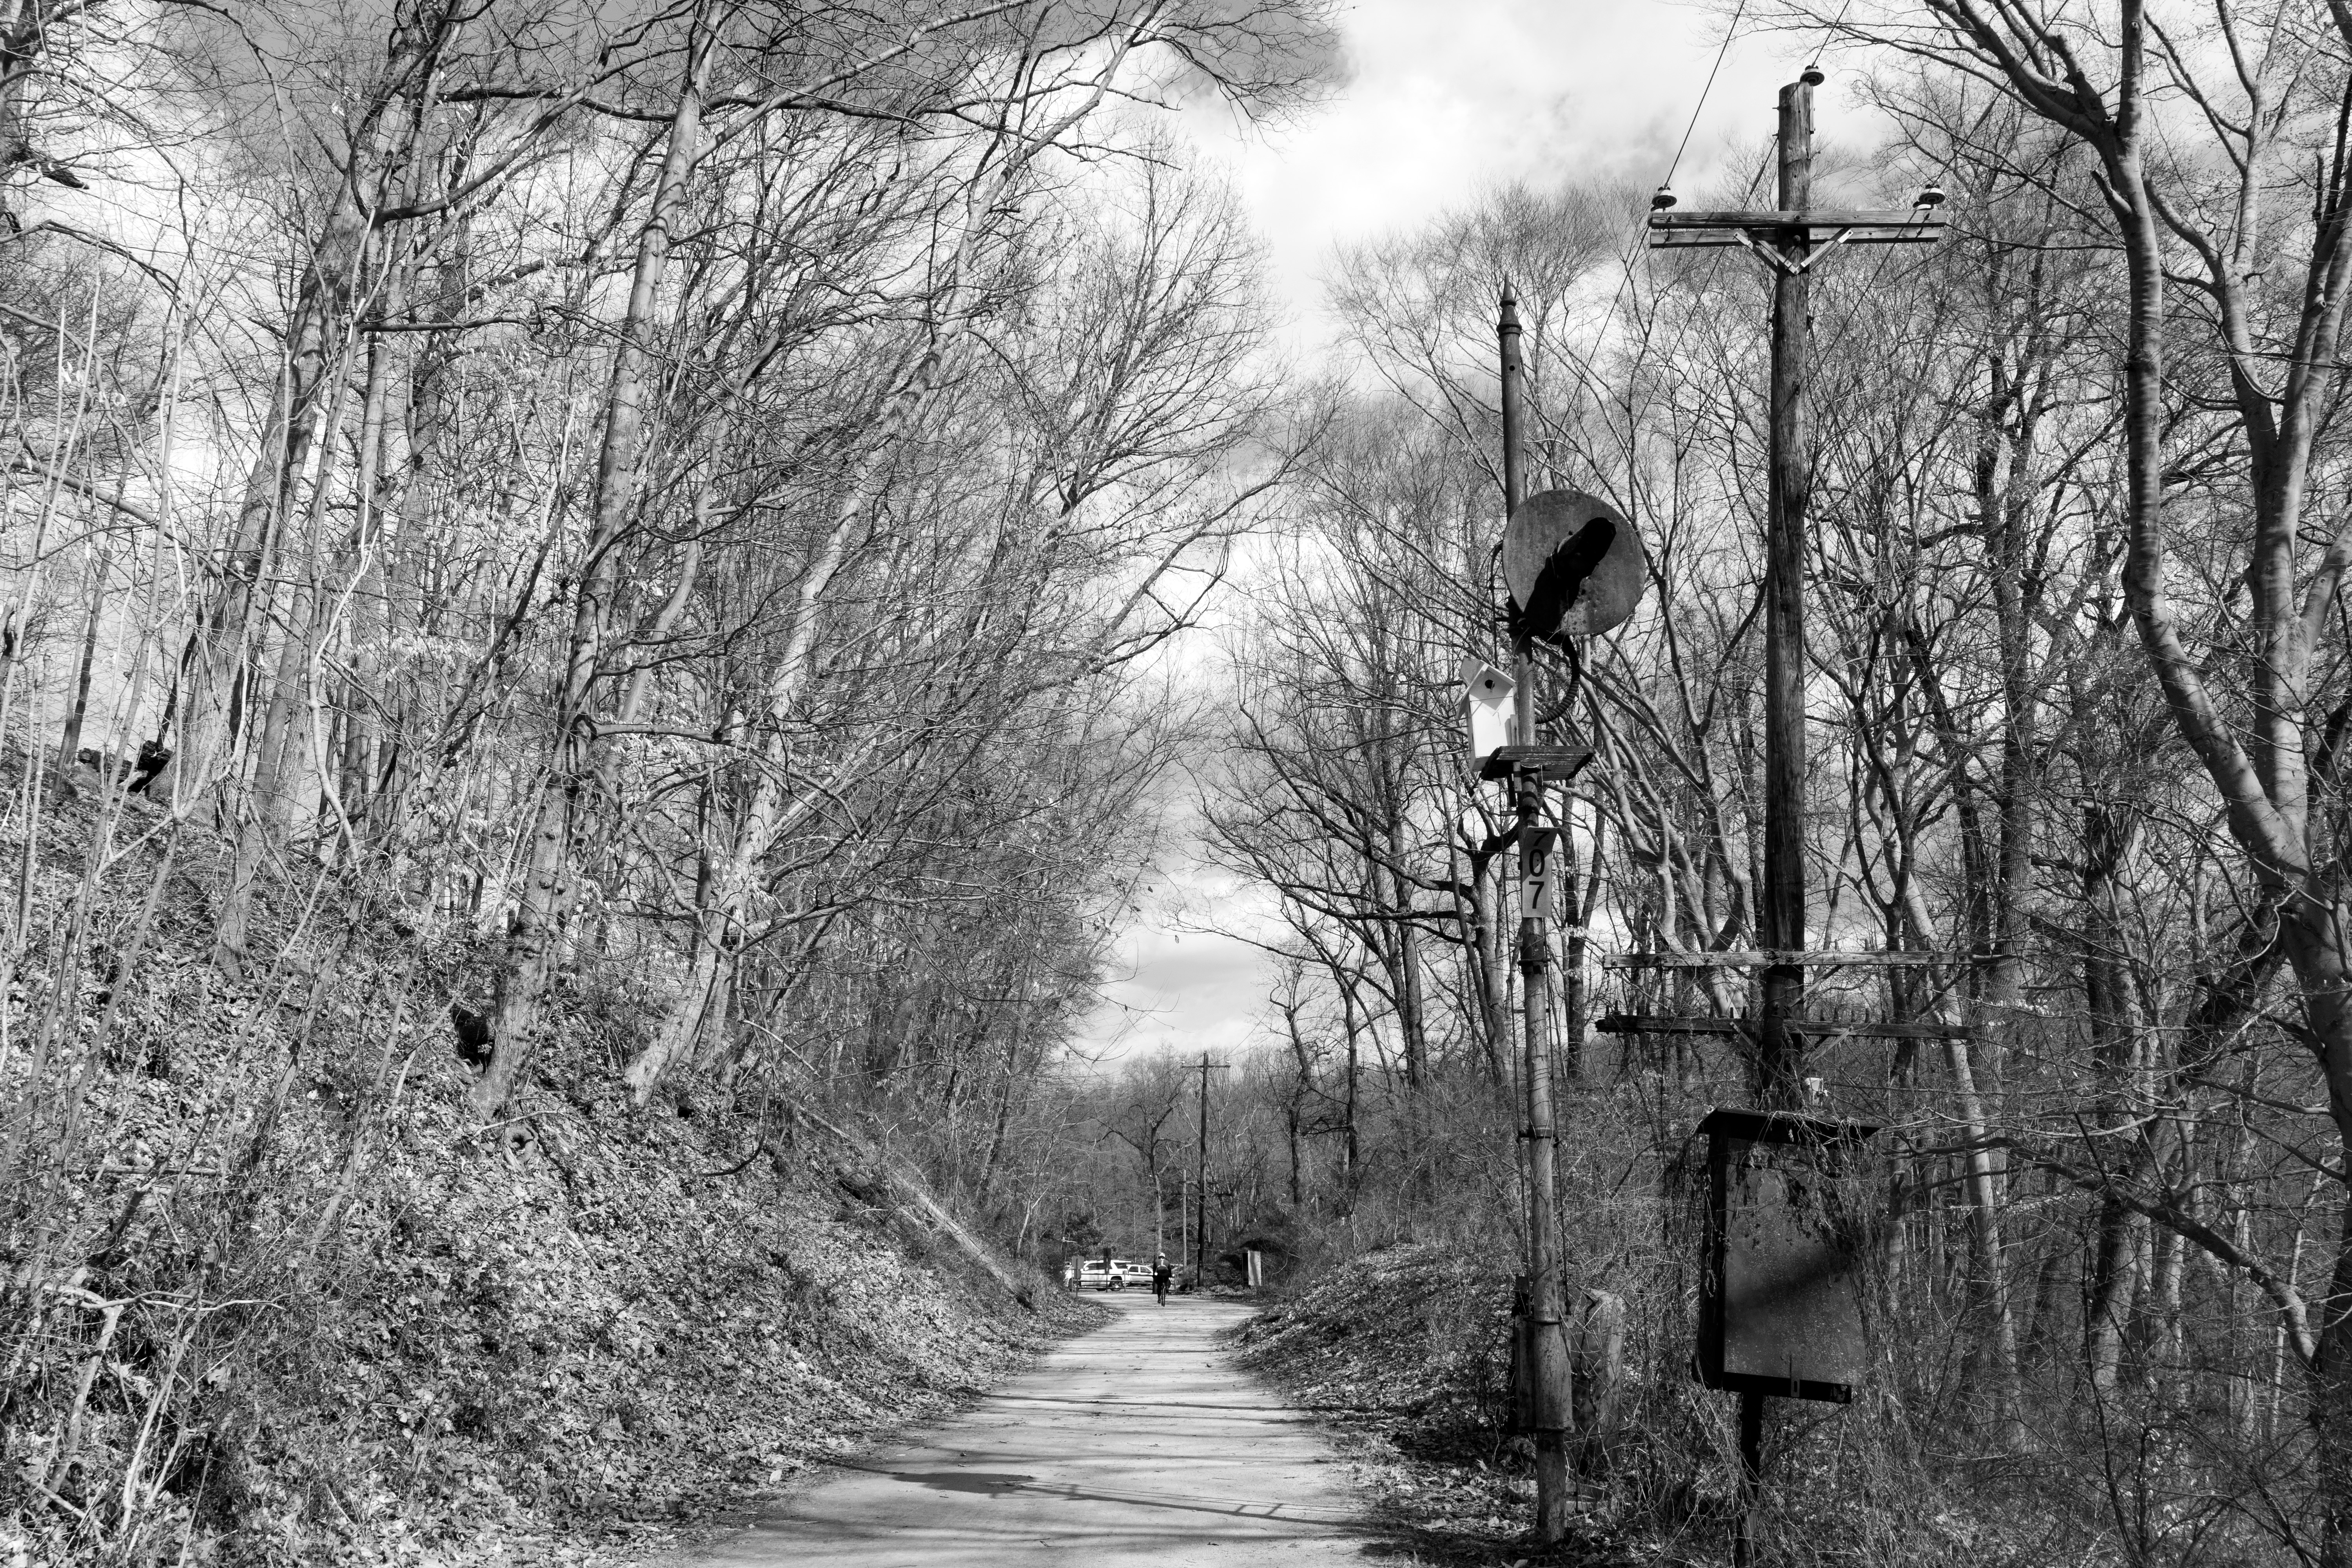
{"x":1781,"y":1050}
{"x":1780,"y":1067}
{"x":1201,"y":1182}
{"x":1201,"y":1189}
{"x":1553,"y":1409}
{"x":1751,"y":1480}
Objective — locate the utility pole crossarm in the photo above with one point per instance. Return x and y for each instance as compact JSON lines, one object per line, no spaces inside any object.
{"x":1884,"y":226}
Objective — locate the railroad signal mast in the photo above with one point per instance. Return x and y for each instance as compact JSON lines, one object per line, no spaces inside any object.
{"x":1574,"y":568}
{"x":1542,"y":1334}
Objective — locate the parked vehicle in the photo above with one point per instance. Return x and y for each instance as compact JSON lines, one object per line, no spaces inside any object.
{"x":1097,"y":1274}
{"x":1138,"y":1274}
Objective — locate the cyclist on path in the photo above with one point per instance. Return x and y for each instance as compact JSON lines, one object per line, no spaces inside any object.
{"x":1161,"y":1278}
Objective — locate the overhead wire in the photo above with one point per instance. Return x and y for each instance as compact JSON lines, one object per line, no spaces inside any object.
{"x":1625,"y":266}
{"x":1625,"y":261}
{"x":1830,"y":32}
{"x":1674,"y":164}
{"x":1814,"y":65}
{"x":1640,"y":225}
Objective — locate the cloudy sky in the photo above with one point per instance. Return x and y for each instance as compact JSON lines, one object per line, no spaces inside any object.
{"x":1446,"y":98}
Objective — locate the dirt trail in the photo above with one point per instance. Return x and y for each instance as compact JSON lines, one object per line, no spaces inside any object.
{"x":1139,"y":1441}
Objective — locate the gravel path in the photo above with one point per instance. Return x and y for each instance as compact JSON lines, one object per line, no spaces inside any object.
{"x":1139,"y":1441}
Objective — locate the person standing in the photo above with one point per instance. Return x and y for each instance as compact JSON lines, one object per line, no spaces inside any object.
{"x":1161,"y":1278}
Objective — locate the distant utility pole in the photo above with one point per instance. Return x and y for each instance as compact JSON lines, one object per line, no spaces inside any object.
{"x":1790,"y":239}
{"x":1201,"y":1182}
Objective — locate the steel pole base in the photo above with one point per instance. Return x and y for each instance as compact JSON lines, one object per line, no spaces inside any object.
{"x":1555,"y":1493}
{"x":1747,"y":1543}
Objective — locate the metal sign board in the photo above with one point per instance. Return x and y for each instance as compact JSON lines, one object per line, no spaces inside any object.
{"x":1573,"y":564}
{"x":1780,"y":1292}
{"x":1536,"y":882}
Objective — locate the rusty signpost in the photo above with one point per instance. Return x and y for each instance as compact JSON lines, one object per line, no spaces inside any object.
{"x":1574,"y":568}
{"x":1781,"y":1301}
{"x":1542,"y":1331}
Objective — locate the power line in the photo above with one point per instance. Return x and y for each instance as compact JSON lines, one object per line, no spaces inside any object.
{"x":1830,"y":33}
{"x":1640,"y":225}
{"x":1728,"y":33}
{"x":1625,"y":261}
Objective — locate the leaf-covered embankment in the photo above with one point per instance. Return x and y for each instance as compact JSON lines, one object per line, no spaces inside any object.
{"x":271,"y":1300}
{"x":1404,"y":1351}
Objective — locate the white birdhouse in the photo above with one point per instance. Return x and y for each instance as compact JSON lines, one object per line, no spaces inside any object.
{"x":1487,"y":715}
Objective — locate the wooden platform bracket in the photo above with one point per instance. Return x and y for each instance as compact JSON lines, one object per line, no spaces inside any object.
{"x":1817,"y":1028}
{"x":1552,"y":764}
{"x":1770,"y":957}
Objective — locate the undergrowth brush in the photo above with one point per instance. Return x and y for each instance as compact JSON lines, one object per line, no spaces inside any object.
{"x":1404,"y":1351}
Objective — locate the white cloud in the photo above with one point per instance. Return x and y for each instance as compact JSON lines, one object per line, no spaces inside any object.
{"x":1452,"y":97}
{"x":1193,"y":979}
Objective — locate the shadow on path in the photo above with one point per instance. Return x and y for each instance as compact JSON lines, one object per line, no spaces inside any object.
{"x":1140,"y":1442}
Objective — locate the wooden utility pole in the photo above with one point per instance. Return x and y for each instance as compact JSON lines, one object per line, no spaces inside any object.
{"x":1791,"y":240}
{"x":1553,"y":1406}
{"x":1781,"y":1054}
{"x":1200,"y":1182}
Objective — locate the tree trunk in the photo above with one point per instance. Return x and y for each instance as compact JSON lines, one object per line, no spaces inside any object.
{"x":85,"y":665}
{"x":532,"y":940}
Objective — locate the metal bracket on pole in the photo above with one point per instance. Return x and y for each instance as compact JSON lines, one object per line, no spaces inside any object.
{"x":1550,"y":765}
{"x":1806,"y":263}
{"x":1770,"y":254}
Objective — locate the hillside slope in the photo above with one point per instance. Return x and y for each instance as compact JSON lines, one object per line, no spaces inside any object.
{"x":265,"y":1300}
